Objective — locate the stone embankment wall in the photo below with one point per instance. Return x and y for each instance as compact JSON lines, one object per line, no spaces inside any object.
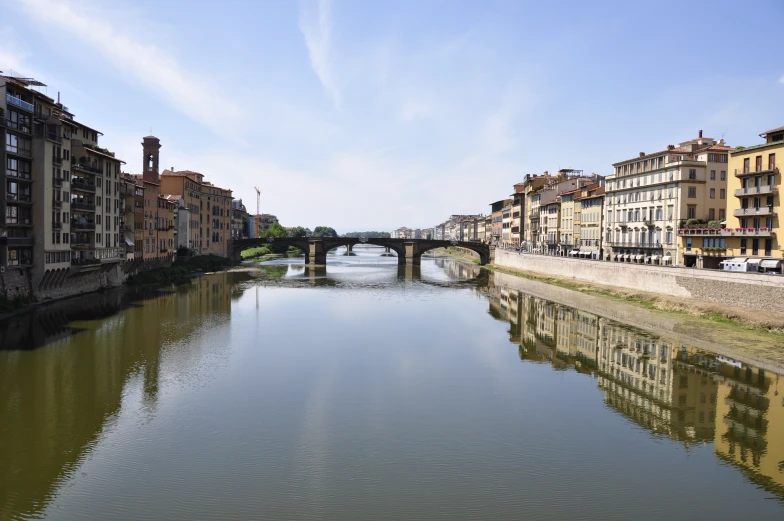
{"x":14,"y":283}
{"x":749,"y":290}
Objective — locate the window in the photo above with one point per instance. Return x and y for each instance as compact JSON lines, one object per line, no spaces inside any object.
{"x":722,"y":193}
{"x":723,"y":176}
{"x":722,"y":214}
{"x":713,"y":175}
{"x":755,"y":246}
{"x":692,"y":192}
{"x":691,"y":212}
{"x":768,"y":247}
{"x":11,"y":215}
{"x":771,"y":161}
{"x":713,"y":193}
{"x":668,"y":237}
{"x":711,"y":214}
{"x":692,"y":173}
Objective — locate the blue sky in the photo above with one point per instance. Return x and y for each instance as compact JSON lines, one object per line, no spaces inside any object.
{"x":374,"y":115}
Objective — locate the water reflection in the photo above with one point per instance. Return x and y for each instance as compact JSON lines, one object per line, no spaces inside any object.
{"x":661,"y":384}
{"x":56,"y":401}
{"x":60,"y":403}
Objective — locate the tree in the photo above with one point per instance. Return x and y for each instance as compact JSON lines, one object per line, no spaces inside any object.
{"x":275,"y":230}
{"x":369,"y":235}
{"x":324,"y":231}
{"x":299,"y":231}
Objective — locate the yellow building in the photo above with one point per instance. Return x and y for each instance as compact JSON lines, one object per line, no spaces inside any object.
{"x":752,"y":208}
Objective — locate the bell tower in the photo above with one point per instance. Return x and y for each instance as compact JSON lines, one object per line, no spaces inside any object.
{"x":151,"y":146}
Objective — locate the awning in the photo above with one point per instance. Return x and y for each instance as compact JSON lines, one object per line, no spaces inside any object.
{"x":666,"y":258}
{"x":770,"y":263}
{"x":627,"y":257}
{"x":638,"y":257}
{"x":655,"y":258}
{"x":647,"y":259}
{"x":574,"y":252}
{"x":128,"y":241}
{"x":754,"y":261}
{"x":737,"y":259}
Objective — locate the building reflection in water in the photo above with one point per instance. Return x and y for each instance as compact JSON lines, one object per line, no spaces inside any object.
{"x":667,"y":387}
{"x":57,"y":400}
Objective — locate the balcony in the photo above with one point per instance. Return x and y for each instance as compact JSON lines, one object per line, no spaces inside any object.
{"x":76,"y":225}
{"x":80,"y":241}
{"x":746,"y":212}
{"x":57,"y":160}
{"x":705,"y":232}
{"x":57,"y":204}
{"x":649,"y":223}
{"x":756,"y":190}
{"x":18,"y":102}
{"x":82,"y":185}
{"x":86,"y":168}
{"x":20,"y":221}
{"x":752,"y":232}
{"x":57,"y":182}
{"x":85,"y":207}
{"x":16,"y":175}
{"x":57,"y":226}
{"x":747,"y":172}
{"x":20,"y":241}
{"x":19,"y":198}
{"x":52,"y":136}
{"x":634,"y":244}
{"x":18,"y":151}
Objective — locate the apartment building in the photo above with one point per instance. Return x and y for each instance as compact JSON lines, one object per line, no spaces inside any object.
{"x":591,"y":222}
{"x":649,"y":196}
{"x":16,"y":178}
{"x":209,"y":209}
{"x":497,"y":218}
{"x":569,"y":223}
{"x":506,"y":223}
{"x":61,"y":200}
{"x":752,"y":228}
{"x":516,"y":233}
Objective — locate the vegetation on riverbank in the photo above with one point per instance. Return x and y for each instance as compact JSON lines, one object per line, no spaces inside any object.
{"x":269,"y":250}
{"x":181,"y":270}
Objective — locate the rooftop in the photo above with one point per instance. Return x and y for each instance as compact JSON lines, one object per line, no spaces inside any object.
{"x":780,"y":129}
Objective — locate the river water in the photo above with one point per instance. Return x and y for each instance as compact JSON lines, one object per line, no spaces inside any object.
{"x":365,"y":391}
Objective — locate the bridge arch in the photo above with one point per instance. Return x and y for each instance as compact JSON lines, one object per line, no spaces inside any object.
{"x":482,"y":250}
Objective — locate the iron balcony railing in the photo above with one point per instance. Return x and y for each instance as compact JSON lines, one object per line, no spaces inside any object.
{"x":82,"y":206}
{"x":79,"y":184}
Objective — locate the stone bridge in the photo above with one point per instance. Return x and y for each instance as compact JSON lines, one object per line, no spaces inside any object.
{"x":409,"y":251}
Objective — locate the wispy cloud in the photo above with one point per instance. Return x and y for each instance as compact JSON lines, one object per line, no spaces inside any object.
{"x":141,"y":63}
{"x":315,"y":22}
{"x":781,"y":80}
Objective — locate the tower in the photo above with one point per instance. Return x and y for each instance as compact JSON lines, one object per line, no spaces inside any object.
{"x":151,"y":146}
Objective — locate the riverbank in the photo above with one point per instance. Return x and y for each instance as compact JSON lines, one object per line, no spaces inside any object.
{"x":181,"y":271}
{"x":739,"y":317}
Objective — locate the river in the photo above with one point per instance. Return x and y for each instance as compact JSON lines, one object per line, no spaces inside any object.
{"x":367,"y":391}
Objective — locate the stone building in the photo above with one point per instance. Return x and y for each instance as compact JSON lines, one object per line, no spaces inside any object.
{"x":648,"y":198}
{"x":591,"y":216}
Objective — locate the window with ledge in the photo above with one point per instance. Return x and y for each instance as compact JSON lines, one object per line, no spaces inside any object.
{"x":723,"y":176}
{"x":722,"y":193}
{"x":713,"y":175}
{"x":713,"y":193}
{"x":691,"y":212}
{"x":692,"y":192}
{"x":743,"y":243}
{"x":755,"y":246}
{"x":692,"y":173}
{"x":722,"y":214}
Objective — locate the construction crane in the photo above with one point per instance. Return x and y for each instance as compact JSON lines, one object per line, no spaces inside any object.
{"x":258,"y":200}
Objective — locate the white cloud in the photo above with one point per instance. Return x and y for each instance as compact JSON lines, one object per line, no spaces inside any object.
{"x":315,"y":22}
{"x":141,"y":63}
{"x":781,"y":80}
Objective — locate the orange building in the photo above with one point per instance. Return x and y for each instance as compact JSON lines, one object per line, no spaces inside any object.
{"x":157,"y":212}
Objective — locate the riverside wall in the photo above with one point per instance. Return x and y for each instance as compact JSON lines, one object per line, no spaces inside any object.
{"x":748,"y":290}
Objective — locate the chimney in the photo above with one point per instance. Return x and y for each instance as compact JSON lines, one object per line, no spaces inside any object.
{"x":721,"y":142}
{"x":670,"y":147}
{"x":642,"y":154}
{"x":700,"y":134}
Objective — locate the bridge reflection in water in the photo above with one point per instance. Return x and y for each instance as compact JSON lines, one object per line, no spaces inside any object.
{"x":663,"y":385}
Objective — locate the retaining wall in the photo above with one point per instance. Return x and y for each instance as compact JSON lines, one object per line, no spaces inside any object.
{"x":749,"y":290}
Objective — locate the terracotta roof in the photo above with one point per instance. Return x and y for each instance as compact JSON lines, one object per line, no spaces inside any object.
{"x":173,"y":197}
{"x":718,"y":147}
{"x":780,"y":129}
